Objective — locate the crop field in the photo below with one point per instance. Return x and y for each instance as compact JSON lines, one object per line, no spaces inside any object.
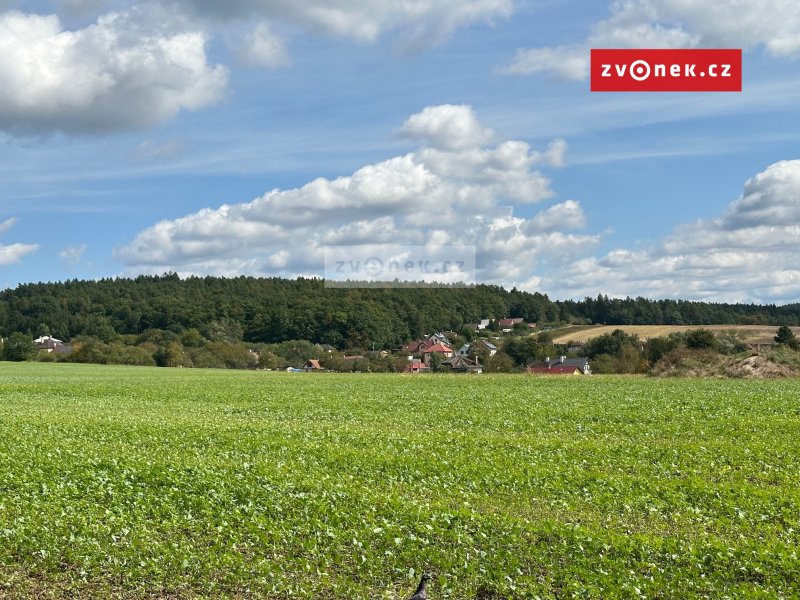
{"x":148,"y":483}
{"x":756,"y":334}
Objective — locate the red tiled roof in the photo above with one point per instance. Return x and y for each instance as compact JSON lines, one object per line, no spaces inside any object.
{"x":512,"y":321}
{"x":438,"y":348}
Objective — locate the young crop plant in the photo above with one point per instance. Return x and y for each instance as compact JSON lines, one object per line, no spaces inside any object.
{"x":189,"y":483}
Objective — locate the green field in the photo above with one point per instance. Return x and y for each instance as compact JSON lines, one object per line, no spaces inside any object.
{"x":181,"y":483}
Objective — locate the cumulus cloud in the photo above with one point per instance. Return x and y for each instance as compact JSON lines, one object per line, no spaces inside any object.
{"x":773,"y":24}
{"x":750,"y":253}
{"x":454,"y":190}
{"x":13,"y":253}
{"x":447,"y":127}
{"x":128,"y":70}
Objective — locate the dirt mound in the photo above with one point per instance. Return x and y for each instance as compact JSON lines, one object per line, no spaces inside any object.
{"x":704,"y":363}
{"x":758,"y":367}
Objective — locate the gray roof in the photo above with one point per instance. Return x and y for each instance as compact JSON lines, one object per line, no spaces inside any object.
{"x":581,"y":362}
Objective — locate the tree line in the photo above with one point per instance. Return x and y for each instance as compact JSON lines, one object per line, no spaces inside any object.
{"x":274,"y":310}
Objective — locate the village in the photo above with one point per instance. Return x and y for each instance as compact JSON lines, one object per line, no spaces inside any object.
{"x":438,"y":352}
{"x":503,"y":345}
{"x":474,"y":350}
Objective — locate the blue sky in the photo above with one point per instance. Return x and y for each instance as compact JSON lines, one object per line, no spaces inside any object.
{"x":145,"y":137}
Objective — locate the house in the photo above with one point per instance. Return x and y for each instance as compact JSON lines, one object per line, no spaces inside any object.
{"x":50,"y":344}
{"x":312,"y":365}
{"x":415,"y":365}
{"x":463,"y":364}
{"x":465,"y":349}
{"x":440,"y":349}
{"x":576,"y":346}
{"x":563,"y":366}
{"x":510,"y":322}
{"x":506,"y":325}
{"x":440,"y":338}
{"x":484,"y":323}
{"x":489,"y":346}
{"x":419,"y":346}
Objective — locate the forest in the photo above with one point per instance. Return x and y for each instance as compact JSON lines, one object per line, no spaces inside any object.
{"x":274,"y":310}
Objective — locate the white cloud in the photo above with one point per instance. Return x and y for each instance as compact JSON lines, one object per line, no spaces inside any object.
{"x":567,"y":215}
{"x":773,"y":24}
{"x":555,"y":155}
{"x":563,"y":62}
{"x":128,"y":70}
{"x":452,"y":191}
{"x":261,"y":47}
{"x":751,"y":253}
{"x":13,"y":253}
{"x":7,"y":224}
{"x":72,"y":255}
{"x":447,"y":127}
{"x":417,"y":23}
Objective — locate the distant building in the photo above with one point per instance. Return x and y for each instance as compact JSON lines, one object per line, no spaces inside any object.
{"x":463,"y":364}
{"x":421,"y":345}
{"x":507,"y":325}
{"x":415,"y":365}
{"x":312,"y":365}
{"x":50,"y":344}
{"x":562,"y":366}
{"x":441,"y":349}
{"x":490,"y":347}
{"x":484,"y":323}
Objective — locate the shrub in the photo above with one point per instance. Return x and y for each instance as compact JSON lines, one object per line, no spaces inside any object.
{"x":700,"y":338}
{"x":18,"y":347}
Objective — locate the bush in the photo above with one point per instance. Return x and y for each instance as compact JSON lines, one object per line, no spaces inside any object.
{"x":18,"y":347}
{"x":699,"y":339}
{"x":731,"y":341}
{"x":603,"y":364}
{"x":785,"y":337}
{"x":46,"y":357}
{"x":500,"y":363}
{"x":657,"y":347}
{"x":204,"y":359}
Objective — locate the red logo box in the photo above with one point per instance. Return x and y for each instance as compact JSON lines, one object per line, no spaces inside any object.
{"x":696,"y":70}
